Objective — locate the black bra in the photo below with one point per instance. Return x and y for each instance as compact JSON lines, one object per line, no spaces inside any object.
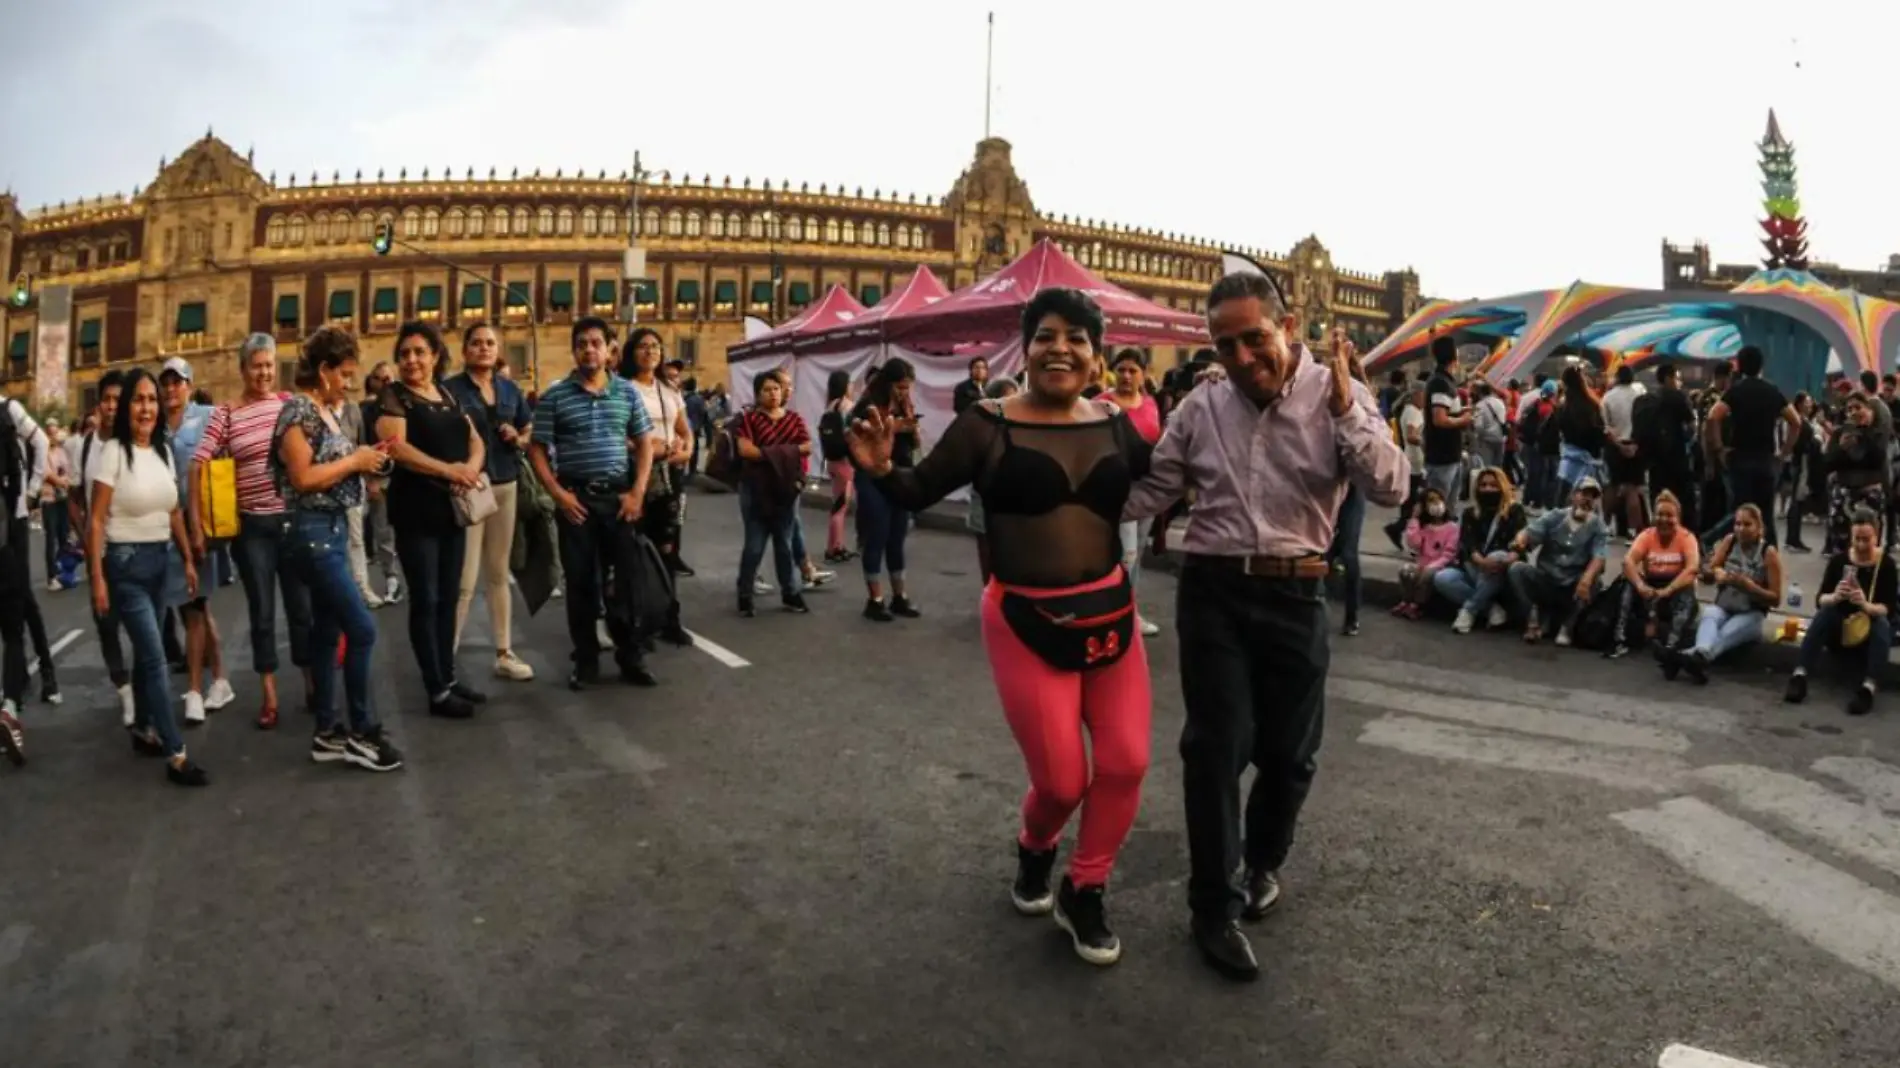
{"x":1028,"y":481}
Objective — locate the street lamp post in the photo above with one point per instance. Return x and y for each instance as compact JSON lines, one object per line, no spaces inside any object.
{"x":386,"y":239}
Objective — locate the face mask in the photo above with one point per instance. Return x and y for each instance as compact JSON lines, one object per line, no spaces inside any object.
{"x":1489,"y":498}
{"x":1436,"y":511}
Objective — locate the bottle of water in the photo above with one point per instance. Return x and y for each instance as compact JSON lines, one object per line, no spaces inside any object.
{"x":1794,"y":595}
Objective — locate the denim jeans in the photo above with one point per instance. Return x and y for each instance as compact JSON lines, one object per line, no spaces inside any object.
{"x":1720,"y":632}
{"x":757,"y":532}
{"x":1470,"y":589}
{"x":595,"y":587}
{"x":135,"y":577}
{"x":1825,"y":633}
{"x":319,"y":553}
{"x":264,"y":569}
{"x":432,"y":562}
{"x":882,"y":527}
{"x":1448,"y":480}
{"x":58,"y":524}
{"x":1345,"y":548}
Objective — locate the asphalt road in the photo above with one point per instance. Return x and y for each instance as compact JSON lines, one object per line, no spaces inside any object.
{"x":1512,"y":858}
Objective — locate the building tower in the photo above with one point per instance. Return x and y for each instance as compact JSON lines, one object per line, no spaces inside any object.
{"x":1785,"y":232}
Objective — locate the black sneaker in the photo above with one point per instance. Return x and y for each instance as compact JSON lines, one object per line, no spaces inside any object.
{"x":372,"y":751}
{"x":745,"y":607}
{"x":875,"y":611}
{"x":901,"y":606}
{"x":1862,"y":702}
{"x":674,"y":634}
{"x":585,"y":673}
{"x":1617,"y":651}
{"x":329,"y":747}
{"x":1797,"y":691}
{"x":1263,"y":892}
{"x":678,"y":567}
{"x":49,"y":692}
{"x":1225,"y":949}
{"x":468,"y":693}
{"x":1697,"y":666}
{"x":451,"y":707}
{"x":145,"y":743}
{"x":1030,"y":893}
{"x":633,"y":672}
{"x":795,"y":603}
{"x":1084,"y":914}
{"x":1670,"y":660}
{"x":186,"y":774}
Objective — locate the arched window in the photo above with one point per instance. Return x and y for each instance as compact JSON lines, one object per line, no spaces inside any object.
{"x":477,"y":221}
{"x":774,"y":227}
{"x":794,"y":229}
{"x":296,"y":235}
{"x":274,"y":231}
{"x":590,"y":222}
{"x":755,"y":227}
{"x":716,"y":225}
{"x":650,"y":222}
{"x":831,"y":231}
{"x":544,"y":222}
{"x":675,"y":223}
{"x":432,"y":223}
{"x":734,"y":225}
{"x":610,"y":222}
{"x":365,"y":226}
{"x":411,"y":223}
{"x":695,"y":224}
{"x":320,"y":227}
{"x":903,"y":237}
{"x":884,"y":233}
{"x":919,"y":237}
{"x":848,"y":232}
{"x":458,"y":222}
{"x":811,"y":229}
{"x":564,"y":222}
{"x":521,"y":222}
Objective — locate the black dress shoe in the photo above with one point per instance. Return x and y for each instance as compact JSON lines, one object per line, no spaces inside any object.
{"x":1225,"y":949}
{"x":674,"y":634}
{"x":468,"y":693}
{"x":635,"y":673}
{"x":584,"y":674}
{"x":1263,"y":892}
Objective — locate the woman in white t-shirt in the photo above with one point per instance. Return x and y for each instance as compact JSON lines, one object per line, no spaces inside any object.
{"x":135,"y":520}
{"x":661,"y":522}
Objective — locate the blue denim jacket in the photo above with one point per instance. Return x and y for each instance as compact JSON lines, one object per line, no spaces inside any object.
{"x":504,"y":462}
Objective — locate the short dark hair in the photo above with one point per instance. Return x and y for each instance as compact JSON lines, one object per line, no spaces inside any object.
{"x":974,"y":360}
{"x":326,"y":347}
{"x":1749,"y":361}
{"x":590,"y":322}
{"x":1074,"y":306}
{"x":113,"y":379}
{"x":1444,"y":350}
{"x":1666,"y":373}
{"x":468,"y":332}
{"x":1130,"y":355}
{"x":1625,"y":375}
{"x":1864,"y":517}
{"x":759,"y":381}
{"x":1242,"y":285}
{"x":1870,"y":381}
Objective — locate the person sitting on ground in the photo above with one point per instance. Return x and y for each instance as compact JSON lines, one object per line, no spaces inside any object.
{"x":1661,"y":568}
{"x":1746,"y":572}
{"x":1432,"y":536}
{"x":1855,"y":614}
{"x":1573,"y":547}
{"x":1491,"y":524}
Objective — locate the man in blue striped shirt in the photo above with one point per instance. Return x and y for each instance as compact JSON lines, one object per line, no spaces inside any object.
{"x":597,"y":427}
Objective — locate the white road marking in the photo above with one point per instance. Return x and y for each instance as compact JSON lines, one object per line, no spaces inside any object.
{"x":1877,"y":782}
{"x":718,"y":652}
{"x":1620,"y":707}
{"x":1847,"y":826}
{"x":57,"y":647}
{"x":1518,"y":718}
{"x":1681,"y":1056}
{"x":1624,"y":769}
{"x":1829,"y":908}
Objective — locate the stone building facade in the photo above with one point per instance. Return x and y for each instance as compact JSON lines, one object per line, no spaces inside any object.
{"x":213,"y":250}
{"x":1692,"y":268}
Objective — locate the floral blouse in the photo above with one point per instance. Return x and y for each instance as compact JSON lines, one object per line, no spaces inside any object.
{"x":326,"y":445}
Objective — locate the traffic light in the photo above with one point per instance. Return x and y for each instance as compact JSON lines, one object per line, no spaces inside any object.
{"x":385,"y":237}
{"x":22,"y":290}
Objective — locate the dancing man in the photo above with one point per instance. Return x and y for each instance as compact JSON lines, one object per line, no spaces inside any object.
{"x":1268,"y":453}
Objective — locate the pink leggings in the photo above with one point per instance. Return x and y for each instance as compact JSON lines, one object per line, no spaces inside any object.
{"x":841,"y":479}
{"x":1047,"y":710}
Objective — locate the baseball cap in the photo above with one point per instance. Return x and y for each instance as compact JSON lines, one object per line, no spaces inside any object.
{"x":1590,"y":484}
{"x":176,"y":366}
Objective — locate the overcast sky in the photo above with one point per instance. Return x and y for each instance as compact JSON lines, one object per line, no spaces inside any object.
{"x":1490,"y":147}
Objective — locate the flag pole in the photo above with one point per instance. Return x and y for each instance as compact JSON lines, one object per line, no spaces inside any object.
{"x":989,"y":81}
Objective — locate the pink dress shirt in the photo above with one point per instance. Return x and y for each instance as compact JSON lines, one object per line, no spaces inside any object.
{"x":1269,"y":482}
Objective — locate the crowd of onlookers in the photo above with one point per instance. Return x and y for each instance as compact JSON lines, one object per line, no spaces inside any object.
{"x":1520,"y":489}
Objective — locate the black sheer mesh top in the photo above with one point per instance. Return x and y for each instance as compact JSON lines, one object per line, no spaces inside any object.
{"x":1052,"y":493}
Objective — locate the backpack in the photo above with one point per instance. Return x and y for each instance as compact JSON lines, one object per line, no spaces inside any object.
{"x":12,"y":460}
{"x":1595,"y":626}
{"x":653,"y":597}
{"x":831,"y":439}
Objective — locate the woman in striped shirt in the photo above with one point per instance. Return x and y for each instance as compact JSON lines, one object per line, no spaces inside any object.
{"x":774,"y":445}
{"x":243,"y":431}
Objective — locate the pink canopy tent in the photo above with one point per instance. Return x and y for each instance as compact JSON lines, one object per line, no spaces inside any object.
{"x":836,"y":308}
{"x":992,"y":309}
{"x":922,"y":290}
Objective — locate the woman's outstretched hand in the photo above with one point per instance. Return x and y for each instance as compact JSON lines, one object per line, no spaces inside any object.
{"x":869,"y":440}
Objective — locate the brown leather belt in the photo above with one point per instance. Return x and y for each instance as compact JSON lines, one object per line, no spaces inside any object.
{"x":1300,"y":567}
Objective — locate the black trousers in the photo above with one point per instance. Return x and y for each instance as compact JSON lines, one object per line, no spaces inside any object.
{"x":1254,"y":656}
{"x":589,"y":552}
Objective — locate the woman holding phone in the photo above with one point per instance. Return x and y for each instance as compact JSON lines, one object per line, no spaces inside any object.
{"x":1855,"y":613}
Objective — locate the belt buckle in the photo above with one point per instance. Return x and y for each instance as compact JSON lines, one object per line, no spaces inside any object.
{"x":1247,"y":566}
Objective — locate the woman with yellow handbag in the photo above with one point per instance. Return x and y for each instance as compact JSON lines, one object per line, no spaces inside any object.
{"x":1854,"y":615}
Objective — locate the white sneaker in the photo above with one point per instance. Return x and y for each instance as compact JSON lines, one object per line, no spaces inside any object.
{"x":392,"y":590}
{"x":510,"y":666}
{"x":128,"y":712}
{"x":53,"y":586}
{"x":1462,"y":625}
{"x":606,"y":636}
{"x":371,"y":600}
{"x":194,"y":708}
{"x":759,"y":585}
{"x":220,"y":694}
{"x":1563,"y":635}
{"x":558,"y":593}
{"x":819,"y":577}
{"x":1499,"y":616}
{"x":1149,"y":630}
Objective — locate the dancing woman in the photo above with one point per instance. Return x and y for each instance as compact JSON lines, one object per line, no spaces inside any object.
{"x":1058,"y":613}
